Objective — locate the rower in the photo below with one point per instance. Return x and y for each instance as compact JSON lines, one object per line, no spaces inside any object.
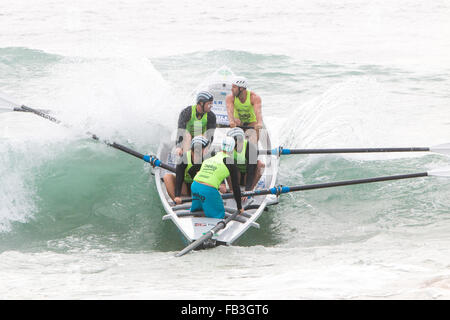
{"x":180,"y":183}
{"x":244,"y":107}
{"x":196,"y":120}
{"x":245,"y":155}
{"x":205,"y":194}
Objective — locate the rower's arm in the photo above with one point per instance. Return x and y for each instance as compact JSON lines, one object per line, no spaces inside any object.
{"x":180,"y":168}
{"x":255,"y":100}
{"x":183,"y":139}
{"x":211,"y":126}
{"x":235,"y":184}
{"x":230,"y":108}
{"x":251,"y":165}
{"x":183,"y":119}
{"x":194,"y":169}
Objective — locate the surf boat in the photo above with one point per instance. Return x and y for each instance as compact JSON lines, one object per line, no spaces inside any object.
{"x":193,"y":225}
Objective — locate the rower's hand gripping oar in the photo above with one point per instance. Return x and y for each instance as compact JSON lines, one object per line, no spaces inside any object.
{"x":147,"y":158}
{"x":442,"y":149}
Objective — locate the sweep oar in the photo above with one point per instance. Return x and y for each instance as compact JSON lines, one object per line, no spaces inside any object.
{"x":208,"y":235}
{"x":441,"y":148}
{"x":284,"y":189}
{"x":147,"y":158}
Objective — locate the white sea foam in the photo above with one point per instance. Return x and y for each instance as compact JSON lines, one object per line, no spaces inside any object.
{"x":355,"y":74}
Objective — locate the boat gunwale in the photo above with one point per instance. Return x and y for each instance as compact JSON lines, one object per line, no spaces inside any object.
{"x":254,"y":216}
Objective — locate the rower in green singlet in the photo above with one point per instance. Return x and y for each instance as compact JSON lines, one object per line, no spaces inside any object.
{"x":244,"y":107}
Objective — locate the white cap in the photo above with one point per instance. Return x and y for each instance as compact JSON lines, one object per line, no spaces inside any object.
{"x":228,"y":144}
{"x":240,"y":82}
{"x":236,"y":132}
{"x":199,"y":140}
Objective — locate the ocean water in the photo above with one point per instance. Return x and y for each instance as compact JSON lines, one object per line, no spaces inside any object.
{"x":80,"y":220}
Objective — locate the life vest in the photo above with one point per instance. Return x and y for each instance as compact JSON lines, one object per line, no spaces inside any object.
{"x":195,"y":126}
{"x":213,"y":171}
{"x":187,"y":176}
{"x":239,"y":158}
{"x":244,"y":111}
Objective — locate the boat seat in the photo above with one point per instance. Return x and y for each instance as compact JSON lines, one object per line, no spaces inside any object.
{"x":202,"y":214}
{"x":227,"y":209}
{"x":187,"y":213}
{"x":233,"y":210}
{"x":181,"y":207}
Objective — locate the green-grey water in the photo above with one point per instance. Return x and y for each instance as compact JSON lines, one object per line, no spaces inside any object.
{"x":75,"y":212}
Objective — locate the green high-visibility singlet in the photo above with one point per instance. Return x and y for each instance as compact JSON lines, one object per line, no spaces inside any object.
{"x":196,"y":126}
{"x":244,"y":111}
{"x":239,"y":158}
{"x":213,"y":170}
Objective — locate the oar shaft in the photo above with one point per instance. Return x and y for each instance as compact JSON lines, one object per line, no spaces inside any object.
{"x":150,"y":159}
{"x":208,"y":235}
{"x":39,"y":113}
{"x":196,"y":243}
{"x":19,"y":109}
{"x":353,"y":182}
{"x":284,"y":189}
{"x":126,"y":150}
{"x":281,"y":189}
{"x":285,"y":151}
{"x":114,"y":145}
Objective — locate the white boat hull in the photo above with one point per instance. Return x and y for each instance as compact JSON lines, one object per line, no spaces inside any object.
{"x":193,"y":227}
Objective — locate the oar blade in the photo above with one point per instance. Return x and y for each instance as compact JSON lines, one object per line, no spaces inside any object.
{"x":442,"y":172}
{"x":195,"y":244}
{"x":441,"y":148}
{"x":6,"y":104}
{"x":6,"y":109}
